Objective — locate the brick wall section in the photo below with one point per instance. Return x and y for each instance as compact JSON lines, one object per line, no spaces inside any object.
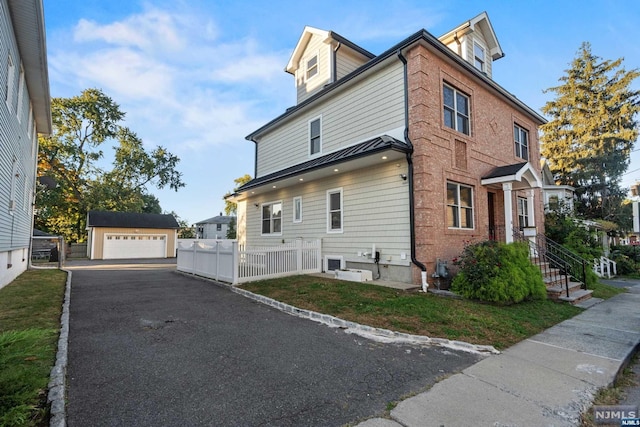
{"x":435,"y":160}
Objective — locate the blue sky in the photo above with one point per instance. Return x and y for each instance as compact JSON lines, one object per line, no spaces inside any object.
{"x":197,"y":76}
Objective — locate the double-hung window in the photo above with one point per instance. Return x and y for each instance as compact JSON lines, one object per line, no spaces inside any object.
{"x":315,"y":136}
{"x":272,"y":218}
{"x":456,"y":109}
{"x":334,"y":211}
{"x":523,"y":212}
{"x":521,"y":139}
{"x":459,"y":206}
{"x":478,"y":57}
{"x":312,"y":67}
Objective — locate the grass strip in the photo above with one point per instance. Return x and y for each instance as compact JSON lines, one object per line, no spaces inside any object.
{"x":30,"y":309}
{"x":417,"y":313}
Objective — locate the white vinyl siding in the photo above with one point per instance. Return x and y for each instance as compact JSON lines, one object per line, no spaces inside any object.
{"x":346,"y":62}
{"x":386,"y":225}
{"x":17,"y":155}
{"x":307,"y":86}
{"x":363,"y":111}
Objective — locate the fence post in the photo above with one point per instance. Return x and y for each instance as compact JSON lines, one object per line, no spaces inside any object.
{"x":235,"y":263}
{"x":319,"y":252}
{"x":217,"y":260}
{"x":298,"y":255}
{"x":195,"y":255}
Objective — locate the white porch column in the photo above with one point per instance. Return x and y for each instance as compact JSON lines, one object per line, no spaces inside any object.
{"x":531,"y":207}
{"x":508,"y":212}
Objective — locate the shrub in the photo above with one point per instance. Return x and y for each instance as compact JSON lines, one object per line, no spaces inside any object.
{"x":498,"y":272}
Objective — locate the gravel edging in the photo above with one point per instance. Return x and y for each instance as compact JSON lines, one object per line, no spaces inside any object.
{"x":57,"y":380}
{"x":370,"y":332}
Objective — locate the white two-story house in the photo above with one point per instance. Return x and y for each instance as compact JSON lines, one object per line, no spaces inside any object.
{"x":406,"y":155}
{"x":25,"y":111}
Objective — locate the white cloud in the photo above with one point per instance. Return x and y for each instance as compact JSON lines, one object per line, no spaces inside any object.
{"x":203,"y":91}
{"x":144,"y":31}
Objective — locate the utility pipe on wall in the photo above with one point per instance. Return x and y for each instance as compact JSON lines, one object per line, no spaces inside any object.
{"x":422,"y":267}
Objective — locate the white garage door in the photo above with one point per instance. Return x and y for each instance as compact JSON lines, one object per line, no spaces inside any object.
{"x":123,"y":246}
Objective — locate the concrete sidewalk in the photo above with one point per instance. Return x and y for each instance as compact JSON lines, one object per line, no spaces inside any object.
{"x":546,"y":380}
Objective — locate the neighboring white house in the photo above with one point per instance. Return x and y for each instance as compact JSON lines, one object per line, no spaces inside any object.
{"x":554,"y":195}
{"x":214,"y":228}
{"x":25,"y":111}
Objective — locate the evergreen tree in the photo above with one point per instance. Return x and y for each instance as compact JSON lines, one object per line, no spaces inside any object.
{"x":591,"y":131}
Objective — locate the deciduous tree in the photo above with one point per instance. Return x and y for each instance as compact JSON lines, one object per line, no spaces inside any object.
{"x":71,"y":155}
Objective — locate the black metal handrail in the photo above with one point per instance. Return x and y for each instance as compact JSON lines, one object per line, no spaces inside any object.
{"x":552,"y":255}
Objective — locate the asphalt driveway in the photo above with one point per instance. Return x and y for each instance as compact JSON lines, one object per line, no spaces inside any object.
{"x":151,"y":347}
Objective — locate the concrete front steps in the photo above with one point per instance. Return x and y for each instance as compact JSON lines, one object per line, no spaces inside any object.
{"x":557,"y":287}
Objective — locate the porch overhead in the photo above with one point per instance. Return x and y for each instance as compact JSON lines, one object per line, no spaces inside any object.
{"x":365,"y":154}
{"x":520,"y":175}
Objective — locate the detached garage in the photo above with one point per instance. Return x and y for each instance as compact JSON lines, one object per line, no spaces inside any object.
{"x":125,"y":235}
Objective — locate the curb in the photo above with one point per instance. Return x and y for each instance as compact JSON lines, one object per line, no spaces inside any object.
{"x":370,"y":332}
{"x":57,"y":380}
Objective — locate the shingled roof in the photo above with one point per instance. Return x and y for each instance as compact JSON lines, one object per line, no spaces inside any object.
{"x":130,"y":220}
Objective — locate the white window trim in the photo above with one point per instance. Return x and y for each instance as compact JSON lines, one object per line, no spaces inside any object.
{"x":309,"y":136}
{"x":297,"y":200}
{"x":281,"y":222}
{"x":306,"y":66}
{"x":484,"y":54}
{"x":30,"y":122}
{"x":9,"y":87}
{"x":460,"y":208}
{"x":21,"y":88}
{"x":14,"y":184}
{"x":329,"y":193}
{"x":522,"y":210}
{"x":333,"y":257}
{"x":518,"y":152}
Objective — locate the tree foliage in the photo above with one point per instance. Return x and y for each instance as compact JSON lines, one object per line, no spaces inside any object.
{"x":592,"y":130}
{"x":230,"y":208}
{"x":71,"y":155}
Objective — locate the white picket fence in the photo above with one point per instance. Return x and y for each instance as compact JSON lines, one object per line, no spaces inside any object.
{"x":226,"y":261}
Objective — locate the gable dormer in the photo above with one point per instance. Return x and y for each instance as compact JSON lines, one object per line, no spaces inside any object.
{"x":476,"y":42}
{"x":322,"y":57}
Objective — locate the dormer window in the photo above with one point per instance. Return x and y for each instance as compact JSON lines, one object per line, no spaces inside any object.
{"x":312,"y":67}
{"x":479,"y":57}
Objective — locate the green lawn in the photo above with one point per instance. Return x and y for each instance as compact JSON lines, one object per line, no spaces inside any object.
{"x":417,"y":313}
{"x":30,"y":309}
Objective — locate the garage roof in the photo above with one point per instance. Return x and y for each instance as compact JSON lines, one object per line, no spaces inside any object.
{"x":130,"y":220}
